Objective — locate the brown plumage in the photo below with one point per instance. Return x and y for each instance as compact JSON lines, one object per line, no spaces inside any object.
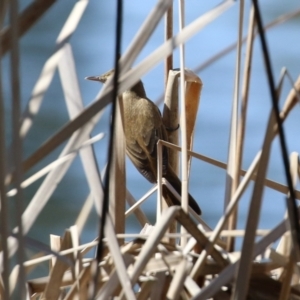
{"x":143,"y":128}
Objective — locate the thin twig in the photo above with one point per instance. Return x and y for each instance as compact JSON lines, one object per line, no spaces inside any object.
{"x":291,"y":199}
{"x":107,"y":179}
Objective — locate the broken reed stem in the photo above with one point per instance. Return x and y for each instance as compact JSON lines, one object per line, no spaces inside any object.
{"x":280,"y":20}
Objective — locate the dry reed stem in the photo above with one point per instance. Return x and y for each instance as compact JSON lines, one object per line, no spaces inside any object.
{"x":170,"y":119}
{"x":280,"y":20}
{"x":192,"y":101}
{"x":170,"y":115}
{"x":82,"y":248}
{"x":241,"y":188}
{"x":84,"y":213}
{"x":160,"y":286}
{"x":55,"y":164}
{"x":140,"y":215}
{"x":201,"y":239}
{"x":286,"y":282}
{"x":179,"y":282}
{"x":259,"y":269}
{"x":131,"y":77}
{"x":292,"y":99}
{"x":147,"y":289}
{"x":159,"y":203}
{"x":156,"y":235}
{"x":117,"y":182}
{"x":243,"y":116}
{"x":168,"y":35}
{"x":232,"y":172}
{"x":52,"y":289}
{"x":118,"y":259}
{"x":4,"y":224}
{"x":227,"y":274}
{"x":245,"y":90}
{"x":183,"y":117}
{"x":171,"y":112}
{"x":267,"y":182}
{"x":29,"y":16}
{"x":142,"y":36}
{"x":55,"y":244}
{"x":79,"y":288}
{"x":16,"y":157}
{"x":75,"y":106}
{"x":193,"y":86}
{"x":136,"y":205}
{"x":49,"y":184}
{"x":243,"y":274}
{"x":112,"y":284}
{"x":106,"y":93}
{"x":50,"y":66}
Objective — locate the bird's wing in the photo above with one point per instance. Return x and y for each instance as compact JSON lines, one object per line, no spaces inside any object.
{"x":142,"y":150}
{"x":139,"y":157}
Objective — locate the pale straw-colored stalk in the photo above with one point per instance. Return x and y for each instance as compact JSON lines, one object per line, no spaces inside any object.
{"x":184,"y":165}
{"x":232,"y":174}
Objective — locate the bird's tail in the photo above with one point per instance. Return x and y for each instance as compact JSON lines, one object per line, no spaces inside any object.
{"x":176,"y":183}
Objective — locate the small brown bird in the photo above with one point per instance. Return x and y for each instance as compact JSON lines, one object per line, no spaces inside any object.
{"x":143,"y":128}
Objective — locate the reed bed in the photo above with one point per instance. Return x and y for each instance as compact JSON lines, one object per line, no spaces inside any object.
{"x":162,"y":261}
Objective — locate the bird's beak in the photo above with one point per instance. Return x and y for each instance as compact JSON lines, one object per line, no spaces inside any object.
{"x":102,"y":78}
{"x":94,"y":78}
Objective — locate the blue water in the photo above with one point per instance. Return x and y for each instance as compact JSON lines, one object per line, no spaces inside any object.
{"x":93,"y":47}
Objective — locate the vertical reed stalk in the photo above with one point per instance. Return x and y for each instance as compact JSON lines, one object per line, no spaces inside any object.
{"x":17,"y":143}
{"x":4,"y":223}
{"x":170,"y":112}
{"x":232,"y":175}
{"x":168,"y":35}
{"x":184,"y":156}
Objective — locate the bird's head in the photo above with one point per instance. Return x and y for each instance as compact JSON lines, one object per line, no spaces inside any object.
{"x":137,"y":88}
{"x":102,"y":78}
